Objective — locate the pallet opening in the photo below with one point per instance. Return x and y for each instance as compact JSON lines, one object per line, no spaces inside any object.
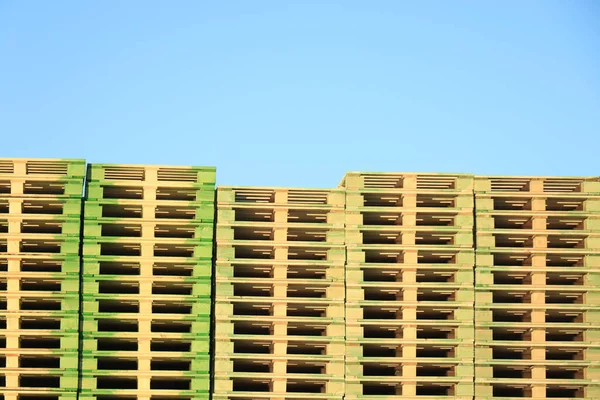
{"x":435,"y":239}
{"x":436,"y":295}
{"x":250,"y":233}
{"x":118,"y":268}
{"x":564,"y":335}
{"x":306,"y":367}
{"x":254,"y":252}
{"x":41,"y":207}
{"x":113,"y":382}
{"x":172,"y":288}
{"x":251,"y":385}
{"x":254,"y":196}
{"x":567,"y":297}
{"x":504,"y":240}
{"x":511,"y":316}
{"x":571,"y":392}
{"x":383,"y":294}
{"x":254,"y":366}
{"x":383,"y":332}
{"x":39,"y":361}
{"x":175,"y":212}
{"x":175,"y":231}
{"x":381,"y":237}
{"x":307,"y":197}
{"x":307,"y":348}
{"x":565,"y":223}
{"x":163,"y":307}
{"x":114,"y":344}
{"x":307,"y":235}
{"x":382,"y":200}
{"x":502,"y":390}
{"x":435,"y":332}
{"x":380,"y":218}
{"x":177,"y":175}
{"x":511,"y":334}
{"x":301,"y":386}
{"x":381,"y":350}
{"x":121,"y":211}
{"x":511,"y":353}
{"x":566,"y":185}
{"x":435,"y":370}
{"x":44,"y":188}
{"x":435,"y":351}
{"x":512,"y":260}
{"x":35,"y":397}
{"x":307,"y":253}
{"x":171,"y":345}
{"x":565,"y":316}
{"x":118,"y":306}
{"x":39,"y":381}
{"x":120,"y":249}
{"x":40,"y":246}
{"x":512,"y":203}
{"x":118,"y":287}
{"x":41,"y":323}
{"x":252,"y":309}
{"x":381,"y":275}
{"x":121,"y":230}
{"x":565,"y":354}
{"x":511,"y":372}
{"x":252,"y":347}
{"x":252,"y":328}
{"x":307,"y":272}
{"x":384,"y":256}
{"x":305,"y":291}
{"x":434,"y":219}
{"x":307,"y":216}
{"x":252,"y":271}
{"x":381,"y":369}
{"x":253,"y":215}
{"x":511,"y":297}
{"x":511,"y":278}
{"x":122,"y":192}
{"x":300,"y":329}
{"x":171,"y":326}
{"x":513,"y":222}
{"x":175,"y":194}
{"x":567,"y":242}
{"x":252,"y":289}
{"x":381,"y":389}
{"x":432,"y":389}
{"x":168,"y":364}
{"x":172,"y":269}
{"x":126,"y":173}
{"x":436,"y":201}
{"x":120,"y":397}
{"x":434,"y":257}
{"x":117,"y":325}
{"x":509,"y":184}
{"x":39,"y":342}
{"x":435,"y":313}
{"x":565,"y":278}
{"x":571,"y":260}
{"x":553,"y":372}
{"x":41,"y":226}
{"x":40,"y":304}
{"x":306,"y":310}
{"x":117,"y":363}
{"x":564,"y":204}
{"x":4,"y":187}
{"x":173,"y":250}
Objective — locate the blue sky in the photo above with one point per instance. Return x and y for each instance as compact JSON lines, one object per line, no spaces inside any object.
{"x":296,"y":93}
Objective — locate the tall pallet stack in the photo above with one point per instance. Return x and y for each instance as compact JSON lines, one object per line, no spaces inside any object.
{"x":409,"y":280}
{"x":147,"y":282}
{"x":537,"y":287}
{"x":40,"y":208}
{"x":279,"y":294}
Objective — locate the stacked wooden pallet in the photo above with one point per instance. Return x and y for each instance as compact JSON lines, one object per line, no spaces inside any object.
{"x":279,"y":294}
{"x":147,"y":282}
{"x":537,"y":295}
{"x":409,"y":280}
{"x":40,"y":209}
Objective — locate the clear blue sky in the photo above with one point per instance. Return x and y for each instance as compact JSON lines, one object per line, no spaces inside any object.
{"x":295,"y":93}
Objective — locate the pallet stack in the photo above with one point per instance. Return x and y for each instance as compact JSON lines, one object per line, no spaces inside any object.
{"x":537,"y":296}
{"x":40,"y":209}
{"x":279,"y":294}
{"x":147,"y":282}
{"x":409,"y":286}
